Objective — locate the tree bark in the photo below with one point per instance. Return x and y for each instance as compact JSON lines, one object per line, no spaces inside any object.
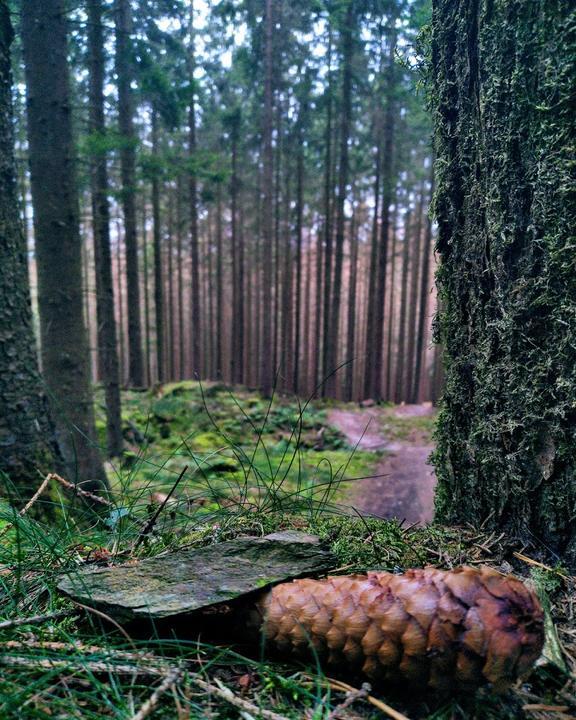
{"x":123,"y":21}
{"x":65,"y":358}
{"x":27,"y":435}
{"x":503,"y":81}
{"x":266,"y":353}
{"x":157,"y":247}
{"x":196,"y":311}
{"x":377,"y":342}
{"x":348,"y":30}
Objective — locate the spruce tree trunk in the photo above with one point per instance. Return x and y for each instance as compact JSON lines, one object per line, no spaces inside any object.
{"x":107,"y":342}
{"x":195,"y":309}
{"x":27,"y":436}
{"x":157,"y":248}
{"x":267,"y":351}
{"x":128,"y":171}
{"x":348,"y":31}
{"x":376,"y":348}
{"x":58,"y":247}
{"x":505,"y":134}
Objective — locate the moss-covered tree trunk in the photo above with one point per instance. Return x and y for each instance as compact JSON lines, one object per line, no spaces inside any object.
{"x":27,"y":439}
{"x":505,"y":137}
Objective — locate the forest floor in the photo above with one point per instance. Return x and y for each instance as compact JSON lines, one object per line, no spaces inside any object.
{"x":403,"y":482}
{"x":252,"y":467}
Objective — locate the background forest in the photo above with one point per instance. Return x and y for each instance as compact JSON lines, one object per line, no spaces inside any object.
{"x":253,"y":183}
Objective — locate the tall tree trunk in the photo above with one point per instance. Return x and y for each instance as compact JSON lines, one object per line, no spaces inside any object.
{"x":196,"y":310}
{"x":237,"y":355}
{"x":348,"y":30}
{"x":391,"y":308}
{"x":413,"y":302}
{"x":327,"y":280}
{"x":266,"y":354}
{"x":58,"y":247}
{"x":180,"y":352}
{"x":351,"y":320}
{"x":123,"y":20}
{"x":157,"y":247}
{"x":298,"y":306}
{"x":219,"y":285}
{"x":401,"y":364}
{"x":505,"y":137}
{"x":387,"y":198}
{"x":146,"y":274}
{"x":423,"y":305}
{"x":370,"y":301}
{"x":27,"y":435}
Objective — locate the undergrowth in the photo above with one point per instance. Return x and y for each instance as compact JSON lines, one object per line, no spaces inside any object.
{"x":253,"y":467}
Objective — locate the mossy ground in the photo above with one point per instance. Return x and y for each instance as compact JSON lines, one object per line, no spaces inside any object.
{"x":255,"y":478}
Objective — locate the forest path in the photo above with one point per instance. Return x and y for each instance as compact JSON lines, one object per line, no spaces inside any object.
{"x":404,"y":488}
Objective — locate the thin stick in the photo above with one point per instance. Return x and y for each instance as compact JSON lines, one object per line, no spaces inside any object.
{"x":226,"y":694}
{"x":150,"y":524}
{"x":78,"y":490}
{"x":95,"y":666}
{"x":34,"y":619}
{"x":344,"y":687}
{"x":169,"y":681}
{"x":362,"y":694}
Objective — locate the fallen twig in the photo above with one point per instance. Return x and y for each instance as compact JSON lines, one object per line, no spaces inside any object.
{"x":169,"y":681}
{"x":351,"y":696}
{"x":78,"y":490}
{"x":344,"y":687}
{"x":95,"y":666}
{"x":224,"y":693}
{"x":35,"y":619}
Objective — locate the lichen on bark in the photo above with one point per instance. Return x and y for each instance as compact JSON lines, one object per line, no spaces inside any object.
{"x":503,"y":93}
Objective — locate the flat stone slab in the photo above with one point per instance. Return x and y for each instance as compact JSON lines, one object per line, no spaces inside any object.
{"x":181,"y":582}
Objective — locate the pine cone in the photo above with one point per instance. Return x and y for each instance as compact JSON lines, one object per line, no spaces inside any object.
{"x":445,"y":631}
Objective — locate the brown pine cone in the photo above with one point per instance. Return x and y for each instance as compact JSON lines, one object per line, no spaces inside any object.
{"x":446,"y":631}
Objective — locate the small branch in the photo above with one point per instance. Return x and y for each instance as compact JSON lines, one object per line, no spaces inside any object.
{"x":150,"y":524}
{"x":94,"y":666}
{"x":78,"y":490}
{"x":351,"y":696}
{"x":224,"y":693}
{"x":34,"y":619}
{"x":169,"y":681}
{"x":386,"y":709}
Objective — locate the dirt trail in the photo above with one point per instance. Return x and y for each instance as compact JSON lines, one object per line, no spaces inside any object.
{"x":404,"y":488}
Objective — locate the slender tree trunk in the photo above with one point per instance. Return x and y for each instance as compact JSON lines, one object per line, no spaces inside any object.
{"x":413,"y":302}
{"x":298,"y":307}
{"x":387,"y":198}
{"x":157,"y":248}
{"x":180,"y":289}
{"x":392,"y":308}
{"x":371,"y":302}
{"x":266,"y":355}
{"x":65,"y":358}
{"x":345,"y":121}
{"x":196,"y":310}
{"x":128,"y":171}
{"x":326,"y":369}
{"x":146,"y":274}
{"x":27,"y":434}
{"x":401,"y":365}
{"x":237,"y":355}
{"x":351,"y":320}
{"x":219,"y":285}
{"x":423,"y":306}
